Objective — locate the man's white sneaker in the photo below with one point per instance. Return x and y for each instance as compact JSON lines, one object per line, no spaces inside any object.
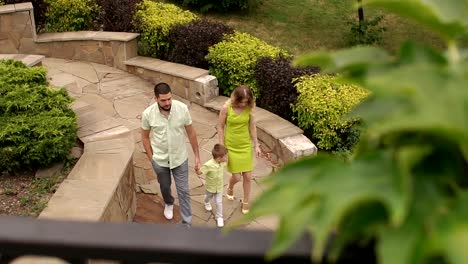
{"x":208,"y":207}
{"x":169,"y":211}
{"x":220,"y":222}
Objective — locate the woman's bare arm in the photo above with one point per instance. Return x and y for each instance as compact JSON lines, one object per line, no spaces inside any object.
{"x":222,"y":122}
{"x":253,"y":134}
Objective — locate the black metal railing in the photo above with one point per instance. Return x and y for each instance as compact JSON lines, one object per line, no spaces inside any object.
{"x":78,"y":242}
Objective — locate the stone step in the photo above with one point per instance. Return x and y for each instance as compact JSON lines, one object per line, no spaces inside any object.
{"x":175,"y":69}
{"x":29,"y":60}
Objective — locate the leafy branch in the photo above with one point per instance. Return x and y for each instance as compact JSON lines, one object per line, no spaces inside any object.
{"x":406,"y":185}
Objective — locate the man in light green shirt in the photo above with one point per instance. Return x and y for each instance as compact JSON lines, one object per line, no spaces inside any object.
{"x":214,"y":175}
{"x":167,"y":121}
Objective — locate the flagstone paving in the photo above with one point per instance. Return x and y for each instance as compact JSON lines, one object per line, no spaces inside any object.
{"x":109,"y":101}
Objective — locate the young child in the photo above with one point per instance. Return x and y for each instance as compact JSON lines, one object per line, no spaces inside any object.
{"x":214,"y":174}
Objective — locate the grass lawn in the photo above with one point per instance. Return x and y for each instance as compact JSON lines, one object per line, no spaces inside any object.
{"x":301,"y":26}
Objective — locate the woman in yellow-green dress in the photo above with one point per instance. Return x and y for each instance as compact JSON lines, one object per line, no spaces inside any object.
{"x":237,"y":131}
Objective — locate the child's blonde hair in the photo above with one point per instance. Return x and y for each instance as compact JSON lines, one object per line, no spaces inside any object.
{"x":219,"y":151}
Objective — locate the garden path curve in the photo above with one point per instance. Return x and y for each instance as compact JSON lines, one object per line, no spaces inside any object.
{"x":109,"y":101}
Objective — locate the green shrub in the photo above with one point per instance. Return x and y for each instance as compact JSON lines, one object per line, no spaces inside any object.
{"x":321,"y":105}
{"x":71,"y":15}
{"x":233,"y":61}
{"x":154,"y":21}
{"x":37,"y":127}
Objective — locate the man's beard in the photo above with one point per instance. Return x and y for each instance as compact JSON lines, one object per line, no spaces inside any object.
{"x":166,"y":109}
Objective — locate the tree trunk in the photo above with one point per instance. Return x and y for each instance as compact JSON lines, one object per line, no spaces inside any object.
{"x":360,"y":12}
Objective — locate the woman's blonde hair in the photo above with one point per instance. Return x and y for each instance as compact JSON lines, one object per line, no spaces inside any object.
{"x":240,"y":93}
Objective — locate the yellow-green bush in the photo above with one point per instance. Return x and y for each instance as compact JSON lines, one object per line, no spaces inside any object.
{"x":321,"y":106}
{"x":71,"y":15}
{"x":154,"y":21}
{"x":233,"y":60}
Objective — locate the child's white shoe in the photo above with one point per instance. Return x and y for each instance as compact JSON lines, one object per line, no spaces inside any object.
{"x":220,"y":222}
{"x":208,"y":207}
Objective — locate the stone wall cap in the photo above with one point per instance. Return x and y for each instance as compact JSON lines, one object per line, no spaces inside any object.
{"x":28,"y":59}
{"x":175,"y":69}
{"x":24,"y":7}
{"x":275,"y":125}
{"x":278,"y":127}
{"x":217,"y":103}
{"x":205,"y":78}
{"x":7,"y":9}
{"x":87,"y":35}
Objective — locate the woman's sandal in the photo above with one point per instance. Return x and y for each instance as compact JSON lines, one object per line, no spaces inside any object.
{"x":230,"y":194}
{"x":245,"y":208}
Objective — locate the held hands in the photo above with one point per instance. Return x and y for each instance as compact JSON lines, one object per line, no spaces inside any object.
{"x":197,"y":165}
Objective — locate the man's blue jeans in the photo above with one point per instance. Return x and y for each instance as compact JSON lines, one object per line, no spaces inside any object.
{"x":180,"y":175}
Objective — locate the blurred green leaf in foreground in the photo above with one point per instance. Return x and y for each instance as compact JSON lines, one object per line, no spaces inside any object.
{"x":406,"y":185}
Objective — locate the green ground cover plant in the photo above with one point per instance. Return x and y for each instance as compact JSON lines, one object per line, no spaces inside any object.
{"x":37,"y":126}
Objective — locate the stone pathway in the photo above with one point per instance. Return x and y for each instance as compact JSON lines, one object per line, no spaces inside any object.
{"x":109,"y":101}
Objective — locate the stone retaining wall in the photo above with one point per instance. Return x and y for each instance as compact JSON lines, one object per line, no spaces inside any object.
{"x":101,"y":186}
{"x":18,"y":35}
{"x":108,"y":48}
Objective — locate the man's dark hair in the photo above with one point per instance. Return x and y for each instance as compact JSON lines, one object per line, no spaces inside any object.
{"x":161,"y":88}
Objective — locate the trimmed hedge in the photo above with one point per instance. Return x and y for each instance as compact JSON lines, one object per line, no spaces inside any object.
{"x":154,"y":21}
{"x":322,"y":105}
{"x":233,"y":61}
{"x":275,"y":80}
{"x":189,"y":43}
{"x":71,"y":15}
{"x":37,"y":127}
